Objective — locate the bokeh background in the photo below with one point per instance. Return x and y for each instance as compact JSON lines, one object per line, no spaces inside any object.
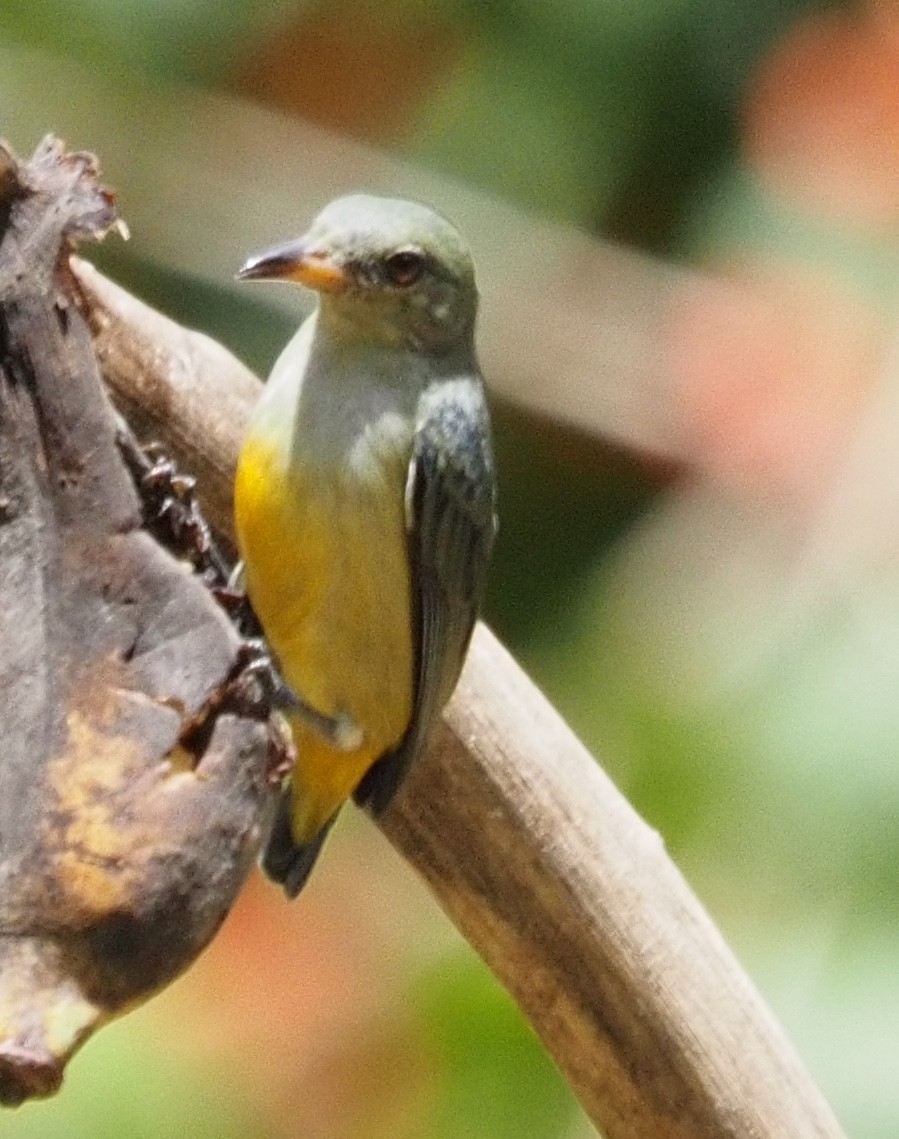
{"x":699,"y":442}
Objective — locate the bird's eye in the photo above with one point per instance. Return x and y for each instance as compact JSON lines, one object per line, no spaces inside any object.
{"x":404,"y":267}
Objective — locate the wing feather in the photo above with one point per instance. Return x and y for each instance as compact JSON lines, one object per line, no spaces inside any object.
{"x":451,"y":525}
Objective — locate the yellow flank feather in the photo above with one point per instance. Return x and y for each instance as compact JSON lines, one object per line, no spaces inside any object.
{"x":327,"y":572}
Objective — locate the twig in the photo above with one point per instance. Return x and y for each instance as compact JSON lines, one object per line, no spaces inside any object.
{"x":549,"y":873}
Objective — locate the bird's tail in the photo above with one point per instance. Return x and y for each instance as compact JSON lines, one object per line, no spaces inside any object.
{"x":286,"y":861}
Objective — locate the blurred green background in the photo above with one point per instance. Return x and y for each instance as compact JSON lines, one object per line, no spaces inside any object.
{"x":720,"y":625}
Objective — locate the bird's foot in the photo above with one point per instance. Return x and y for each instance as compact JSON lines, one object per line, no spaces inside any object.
{"x":170,"y":505}
{"x":340,"y":731}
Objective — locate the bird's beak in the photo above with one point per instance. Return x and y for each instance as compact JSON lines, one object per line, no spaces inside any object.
{"x":296,"y":261}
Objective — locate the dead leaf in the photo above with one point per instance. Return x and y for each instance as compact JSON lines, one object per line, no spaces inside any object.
{"x":123,"y":840}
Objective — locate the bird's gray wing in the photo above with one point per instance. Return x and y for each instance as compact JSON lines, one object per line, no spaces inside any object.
{"x":451,"y":524}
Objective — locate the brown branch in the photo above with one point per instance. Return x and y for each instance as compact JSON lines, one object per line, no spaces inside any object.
{"x":532,"y":851}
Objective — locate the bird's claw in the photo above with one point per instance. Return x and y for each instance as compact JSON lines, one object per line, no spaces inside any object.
{"x":170,"y":506}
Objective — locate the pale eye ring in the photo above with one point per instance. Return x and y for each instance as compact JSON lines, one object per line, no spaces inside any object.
{"x":404,"y":267}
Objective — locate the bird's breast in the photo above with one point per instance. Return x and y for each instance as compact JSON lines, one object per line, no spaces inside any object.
{"x":324,"y":545}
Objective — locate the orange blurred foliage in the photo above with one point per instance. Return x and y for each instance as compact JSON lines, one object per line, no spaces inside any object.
{"x":822,"y":115}
{"x":353,"y":70}
{"x":296,"y":1003}
{"x":772,"y":365}
{"x":776,"y":357}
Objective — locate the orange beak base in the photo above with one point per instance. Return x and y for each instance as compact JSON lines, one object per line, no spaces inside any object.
{"x":296,"y":261}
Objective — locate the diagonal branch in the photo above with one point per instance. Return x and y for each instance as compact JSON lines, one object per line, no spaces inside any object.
{"x":549,"y":873}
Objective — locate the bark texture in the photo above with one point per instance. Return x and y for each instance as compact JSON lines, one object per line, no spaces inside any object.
{"x":133,"y":788}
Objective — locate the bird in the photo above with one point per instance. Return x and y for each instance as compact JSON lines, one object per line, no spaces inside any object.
{"x":365,"y":506}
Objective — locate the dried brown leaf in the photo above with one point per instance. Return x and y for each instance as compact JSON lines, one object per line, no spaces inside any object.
{"x":123,"y":838}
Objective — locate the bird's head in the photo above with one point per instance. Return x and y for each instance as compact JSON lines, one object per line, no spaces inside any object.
{"x":387,"y":270}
